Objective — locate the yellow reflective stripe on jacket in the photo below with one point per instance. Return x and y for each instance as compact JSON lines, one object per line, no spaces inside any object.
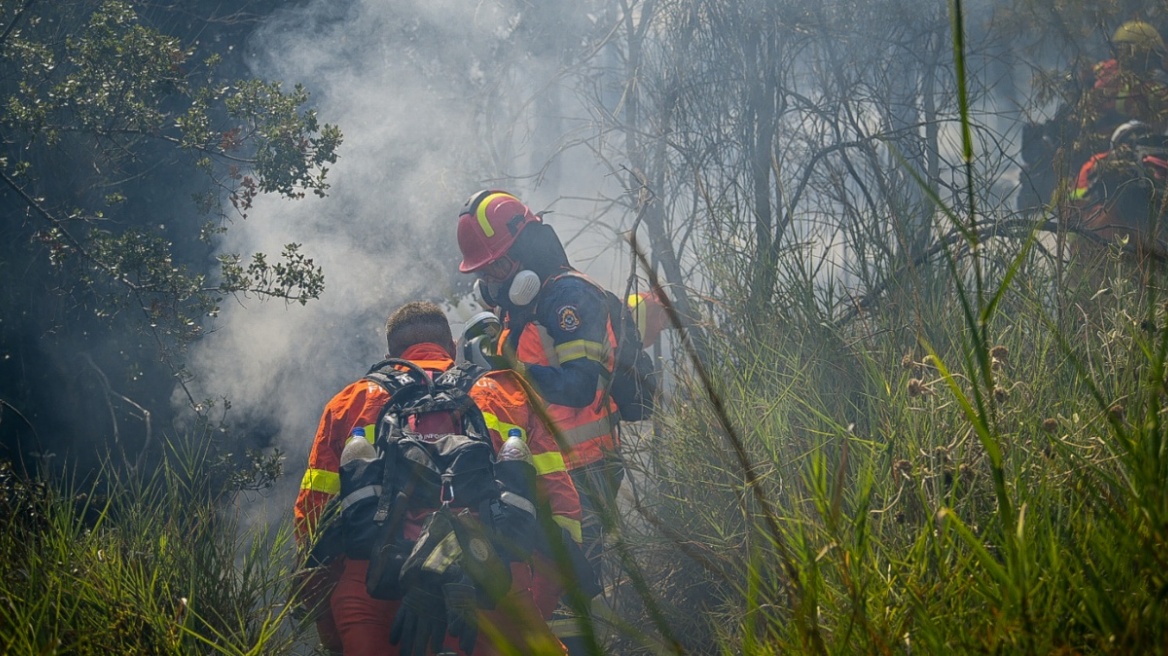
{"x":545,"y":463}
{"x":570,"y":525}
{"x":580,"y":348}
{"x":548,"y":463}
{"x":547,"y":345}
{"x":599,"y":428}
{"x":321,"y":480}
{"x":502,"y":427}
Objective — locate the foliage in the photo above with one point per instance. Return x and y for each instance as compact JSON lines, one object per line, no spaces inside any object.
{"x":152,"y":565}
{"x":126,"y":150}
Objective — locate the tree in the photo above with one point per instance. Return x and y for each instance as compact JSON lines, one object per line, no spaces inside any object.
{"x":112,"y":127}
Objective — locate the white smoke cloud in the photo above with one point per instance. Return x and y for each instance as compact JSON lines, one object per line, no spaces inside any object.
{"x":401,"y":80}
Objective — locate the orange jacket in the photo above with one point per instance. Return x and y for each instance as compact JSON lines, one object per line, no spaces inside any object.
{"x":504,"y":404}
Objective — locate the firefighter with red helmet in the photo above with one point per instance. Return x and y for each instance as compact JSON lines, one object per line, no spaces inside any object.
{"x":558,"y":334}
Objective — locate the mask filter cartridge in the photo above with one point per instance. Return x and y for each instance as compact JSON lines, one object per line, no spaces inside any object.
{"x":524,"y":287}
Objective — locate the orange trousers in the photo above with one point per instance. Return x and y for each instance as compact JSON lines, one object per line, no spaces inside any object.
{"x":364,"y":622}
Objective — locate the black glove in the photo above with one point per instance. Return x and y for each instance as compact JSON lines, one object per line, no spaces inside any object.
{"x":420,"y":623}
{"x":460,"y":612}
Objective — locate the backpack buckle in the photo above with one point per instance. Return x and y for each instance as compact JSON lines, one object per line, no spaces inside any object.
{"x":446,"y":493}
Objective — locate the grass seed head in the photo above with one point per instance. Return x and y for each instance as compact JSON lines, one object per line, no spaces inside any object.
{"x":1001,"y":394}
{"x":916,"y":387}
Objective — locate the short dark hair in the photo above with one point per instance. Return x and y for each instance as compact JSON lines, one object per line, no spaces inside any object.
{"x":417,"y":322}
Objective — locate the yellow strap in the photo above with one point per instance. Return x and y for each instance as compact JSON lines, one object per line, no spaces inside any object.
{"x":321,"y":480}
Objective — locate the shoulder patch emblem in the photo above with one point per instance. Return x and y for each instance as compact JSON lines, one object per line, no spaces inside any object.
{"x":569,"y":319}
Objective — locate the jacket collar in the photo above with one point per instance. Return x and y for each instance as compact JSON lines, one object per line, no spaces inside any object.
{"x":428,"y":355}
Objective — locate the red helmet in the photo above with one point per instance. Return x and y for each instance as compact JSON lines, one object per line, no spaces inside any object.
{"x":487,"y":227}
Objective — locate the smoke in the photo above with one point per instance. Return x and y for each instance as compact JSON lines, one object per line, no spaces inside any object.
{"x":406,"y":82}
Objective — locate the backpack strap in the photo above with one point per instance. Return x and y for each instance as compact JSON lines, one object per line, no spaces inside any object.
{"x":389,"y":375}
{"x":398,"y":378}
{"x":456,"y":384}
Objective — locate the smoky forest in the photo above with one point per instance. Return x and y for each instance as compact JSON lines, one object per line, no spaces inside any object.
{"x":911,"y":308}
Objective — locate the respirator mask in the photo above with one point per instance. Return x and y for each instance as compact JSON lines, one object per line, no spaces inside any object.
{"x":479,"y":341}
{"x":517,"y":291}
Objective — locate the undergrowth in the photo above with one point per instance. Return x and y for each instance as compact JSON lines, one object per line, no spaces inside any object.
{"x":154,"y":564}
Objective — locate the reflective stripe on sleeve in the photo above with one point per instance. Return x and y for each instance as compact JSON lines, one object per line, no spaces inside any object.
{"x":580,"y":348}
{"x":321,"y":480}
{"x":518,"y":502}
{"x":592,"y":430}
{"x":570,"y":525}
{"x":548,"y":463}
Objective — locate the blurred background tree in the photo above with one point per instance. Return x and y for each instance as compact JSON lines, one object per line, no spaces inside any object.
{"x":132,"y":137}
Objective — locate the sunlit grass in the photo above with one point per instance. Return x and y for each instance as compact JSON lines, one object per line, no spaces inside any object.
{"x":154,"y":566}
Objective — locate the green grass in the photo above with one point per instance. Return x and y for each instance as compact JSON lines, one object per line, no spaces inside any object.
{"x":145,"y":566}
{"x":1005,"y":492}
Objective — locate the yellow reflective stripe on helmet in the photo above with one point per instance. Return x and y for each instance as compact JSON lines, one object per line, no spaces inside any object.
{"x":580,"y":348}
{"x":570,"y":525}
{"x":321,"y":480}
{"x":502,"y":427}
{"x":548,"y":463}
{"x":481,"y":214}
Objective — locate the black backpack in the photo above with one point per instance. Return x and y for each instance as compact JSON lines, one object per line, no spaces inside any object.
{"x":434,"y":473}
{"x":634,"y":379}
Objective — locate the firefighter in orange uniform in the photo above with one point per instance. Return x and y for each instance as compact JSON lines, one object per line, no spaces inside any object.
{"x":558,"y":334}
{"x":419,"y":332}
